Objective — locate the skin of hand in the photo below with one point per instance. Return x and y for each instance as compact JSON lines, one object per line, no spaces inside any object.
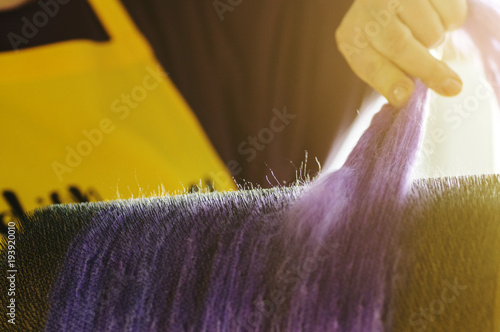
{"x":387,"y":42}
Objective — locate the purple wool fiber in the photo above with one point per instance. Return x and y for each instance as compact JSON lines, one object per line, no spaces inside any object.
{"x":191,"y":264}
{"x":358,"y":208}
{"x":198,"y":263}
{"x":318,"y":258}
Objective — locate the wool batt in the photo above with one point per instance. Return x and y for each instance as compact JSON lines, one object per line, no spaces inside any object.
{"x":366,"y":248}
{"x":362,"y":249}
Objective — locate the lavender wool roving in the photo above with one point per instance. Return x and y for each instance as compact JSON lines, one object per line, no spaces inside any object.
{"x":232,"y":267}
{"x":327,"y":257}
{"x":243,"y":275}
{"x":363,"y":249}
{"x":216,"y":277}
{"x":359,"y":208}
{"x":136,"y":268}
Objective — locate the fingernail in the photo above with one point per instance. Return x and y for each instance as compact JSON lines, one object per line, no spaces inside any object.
{"x":400,"y":94}
{"x":439,"y":42}
{"x":452,"y":86}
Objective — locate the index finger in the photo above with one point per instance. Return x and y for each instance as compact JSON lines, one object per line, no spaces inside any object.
{"x":398,"y":44}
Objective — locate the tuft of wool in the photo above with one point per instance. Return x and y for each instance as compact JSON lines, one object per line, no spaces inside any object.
{"x":223,"y":261}
{"x":359,"y":208}
{"x":143,"y":268}
{"x":361,"y":249}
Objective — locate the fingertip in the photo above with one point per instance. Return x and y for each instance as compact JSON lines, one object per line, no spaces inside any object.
{"x":401,"y":93}
{"x":451,"y":86}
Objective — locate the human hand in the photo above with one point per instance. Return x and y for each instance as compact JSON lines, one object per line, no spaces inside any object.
{"x":387,"y":42}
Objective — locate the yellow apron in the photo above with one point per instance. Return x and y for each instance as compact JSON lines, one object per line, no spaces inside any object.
{"x":83,"y":120}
